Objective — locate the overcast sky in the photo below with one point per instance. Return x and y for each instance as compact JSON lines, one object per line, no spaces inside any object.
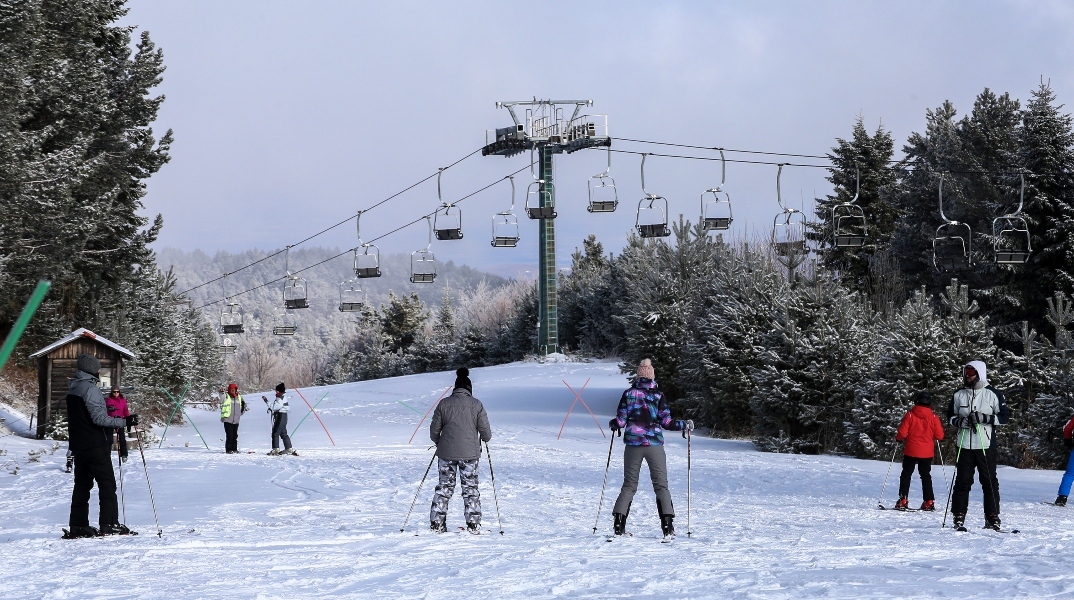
{"x":290,"y":116}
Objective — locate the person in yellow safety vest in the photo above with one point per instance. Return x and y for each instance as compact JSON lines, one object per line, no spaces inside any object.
{"x":231,"y":408}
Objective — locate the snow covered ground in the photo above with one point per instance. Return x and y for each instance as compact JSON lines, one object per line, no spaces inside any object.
{"x":326,"y":524}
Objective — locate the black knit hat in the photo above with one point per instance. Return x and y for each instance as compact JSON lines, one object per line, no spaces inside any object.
{"x":280,"y":387}
{"x":923,"y":398}
{"x":462,"y":380}
{"x":88,"y":364}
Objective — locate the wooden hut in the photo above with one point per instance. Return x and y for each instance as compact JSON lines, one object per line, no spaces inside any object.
{"x":56,"y":364}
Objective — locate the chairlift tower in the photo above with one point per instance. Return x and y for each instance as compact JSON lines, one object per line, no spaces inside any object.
{"x":544,"y":130}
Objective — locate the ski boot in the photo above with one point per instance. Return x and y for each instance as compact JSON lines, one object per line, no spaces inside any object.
{"x":928,"y":506}
{"x":438,"y":526}
{"x":70,"y":463}
{"x":116,"y":529}
{"x":667,"y":527}
{"x":960,"y":522}
{"x":80,"y":532}
{"x":1060,"y":500}
{"x":474,"y":528}
{"x":992,"y":522}
{"x":290,"y":451}
{"x":619,"y":524}
{"x":903,"y":503}
{"x":274,"y":452}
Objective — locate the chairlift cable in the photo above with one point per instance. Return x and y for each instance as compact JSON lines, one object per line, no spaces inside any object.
{"x":330,"y":228}
{"x":349,"y":250}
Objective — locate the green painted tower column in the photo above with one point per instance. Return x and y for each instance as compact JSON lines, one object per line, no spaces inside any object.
{"x":548,"y":336}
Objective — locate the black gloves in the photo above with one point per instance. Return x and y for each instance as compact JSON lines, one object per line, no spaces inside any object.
{"x":961,"y":422}
{"x":614,"y":425}
{"x":244,"y":408}
{"x":972,"y":420}
{"x":686,"y":426}
{"x":131,"y":420}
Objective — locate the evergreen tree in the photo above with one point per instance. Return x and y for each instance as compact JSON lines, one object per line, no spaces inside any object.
{"x":401,"y":320}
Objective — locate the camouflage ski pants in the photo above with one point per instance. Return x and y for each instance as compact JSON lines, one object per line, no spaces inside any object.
{"x":471,"y":497}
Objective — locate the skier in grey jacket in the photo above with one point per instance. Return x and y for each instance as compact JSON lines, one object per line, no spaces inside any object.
{"x":975,"y":410}
{"x":459,"y":426}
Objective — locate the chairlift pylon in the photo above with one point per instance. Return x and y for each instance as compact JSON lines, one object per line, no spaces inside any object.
{"x":655,"y":221}
{"x":540,"y":196}
{"x":788,"y":226}
{"x":423,"y":262}
{"x":294,"y":287}
{"x":848,"y":219}
{"x":603,"y":197}
{"x":366,"y":263}
{"x":1011,"y":242}
{"x":351,"y":296}
{"x":283,"y":322}
{"x":716,"y":209}
{"x":446,"y":222}
{"x":505,"y":232}
{"x":952,"y":245}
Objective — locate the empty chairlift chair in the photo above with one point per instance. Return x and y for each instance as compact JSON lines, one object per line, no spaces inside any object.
{"x":366,"y":262}
{"x":227,"y":346}
{"x":788,"y":227}
{"x":422,"y":262}
{"x":351,"y":296}
{"x":603,"y":197}
{"x":283,"y":322}
{"x":231,"y":318}
{"x":505,"y":232}
{"x":540,"y":196}
{"x":716,"y":204}
{"x":652,"y":219}
{"x":1011,"y":243}
{"x":952,"y":245}
{"x":447,"y":220}
{"x":294,"y":287}
{"x":848,"y":220}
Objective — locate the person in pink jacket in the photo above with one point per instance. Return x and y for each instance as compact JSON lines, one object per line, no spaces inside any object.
{"x":117,"y":408}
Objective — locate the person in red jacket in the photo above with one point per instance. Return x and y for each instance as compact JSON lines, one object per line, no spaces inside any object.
{"x":117,"y":407}
{"x":1068,"y":477}
{"x":920,"y":429}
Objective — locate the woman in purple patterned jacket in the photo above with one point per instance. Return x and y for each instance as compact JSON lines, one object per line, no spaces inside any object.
{"x":643,"y":415}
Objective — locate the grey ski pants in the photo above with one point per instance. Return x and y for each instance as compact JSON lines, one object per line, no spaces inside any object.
{"x":658,"y":470}
{"x":279,"y":430}
{"x":445,"y":488}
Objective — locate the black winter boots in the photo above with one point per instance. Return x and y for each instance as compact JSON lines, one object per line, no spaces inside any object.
{"x":992,"y":522}
{"x":619,"y":524}
{"x":667,"y":526}
{"x":960,"y":520}
{"x":1060,"y":500}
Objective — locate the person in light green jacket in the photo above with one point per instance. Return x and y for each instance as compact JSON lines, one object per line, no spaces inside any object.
{"x":231,"y":408}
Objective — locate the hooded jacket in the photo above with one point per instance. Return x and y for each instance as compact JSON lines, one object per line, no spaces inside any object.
{"x":978,"y":398}
{"x":231,"y":408}
{"x":88,"y":423}
{"x":459,"y":426}
{"x":920,"y":428}
{"x":643,"y":414}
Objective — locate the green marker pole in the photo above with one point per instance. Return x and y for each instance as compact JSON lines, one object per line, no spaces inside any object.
{"x":309,"y":413}
{"x":178,"y":405}
{"x":24,"y":319}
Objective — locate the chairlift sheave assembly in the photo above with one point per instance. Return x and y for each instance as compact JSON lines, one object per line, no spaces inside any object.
{"x":603,"y":197}
{"x":283,"y":322}
{"x":848,"y":219}
{"x":366,"y":262}
{"x":788,"y":226}
{"x":540,"y":196}
{"x":294,"y":288}
{"x":505,"y":233}
{"x":351,"y":296}
{"x":652,"y":220}
{"x":423,"y":262}
{"x":1011,"y":242}
{"x":716,"y":203}
{"x":952,"y":245}
{"x":447,"y":219}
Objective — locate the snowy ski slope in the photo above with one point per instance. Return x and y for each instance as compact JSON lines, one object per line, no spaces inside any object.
{"x":326,"y":524}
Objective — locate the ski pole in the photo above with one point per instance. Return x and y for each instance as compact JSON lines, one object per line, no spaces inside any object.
{"x":988,"y":467}
{"x":494,"y":495}
{"x":951,"y":490}
{"x":603,"y":485}
{"x":688,"y":494}
{"x":152,"y":501}
{"x":413,"y":502}
{"x":943,"y":465}
{"x":122,"y":496}
{"x":880,"y":501}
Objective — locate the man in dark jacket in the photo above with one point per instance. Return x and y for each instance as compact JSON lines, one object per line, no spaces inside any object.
{"x":90,"y":432}
{"x":459,"y":426}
